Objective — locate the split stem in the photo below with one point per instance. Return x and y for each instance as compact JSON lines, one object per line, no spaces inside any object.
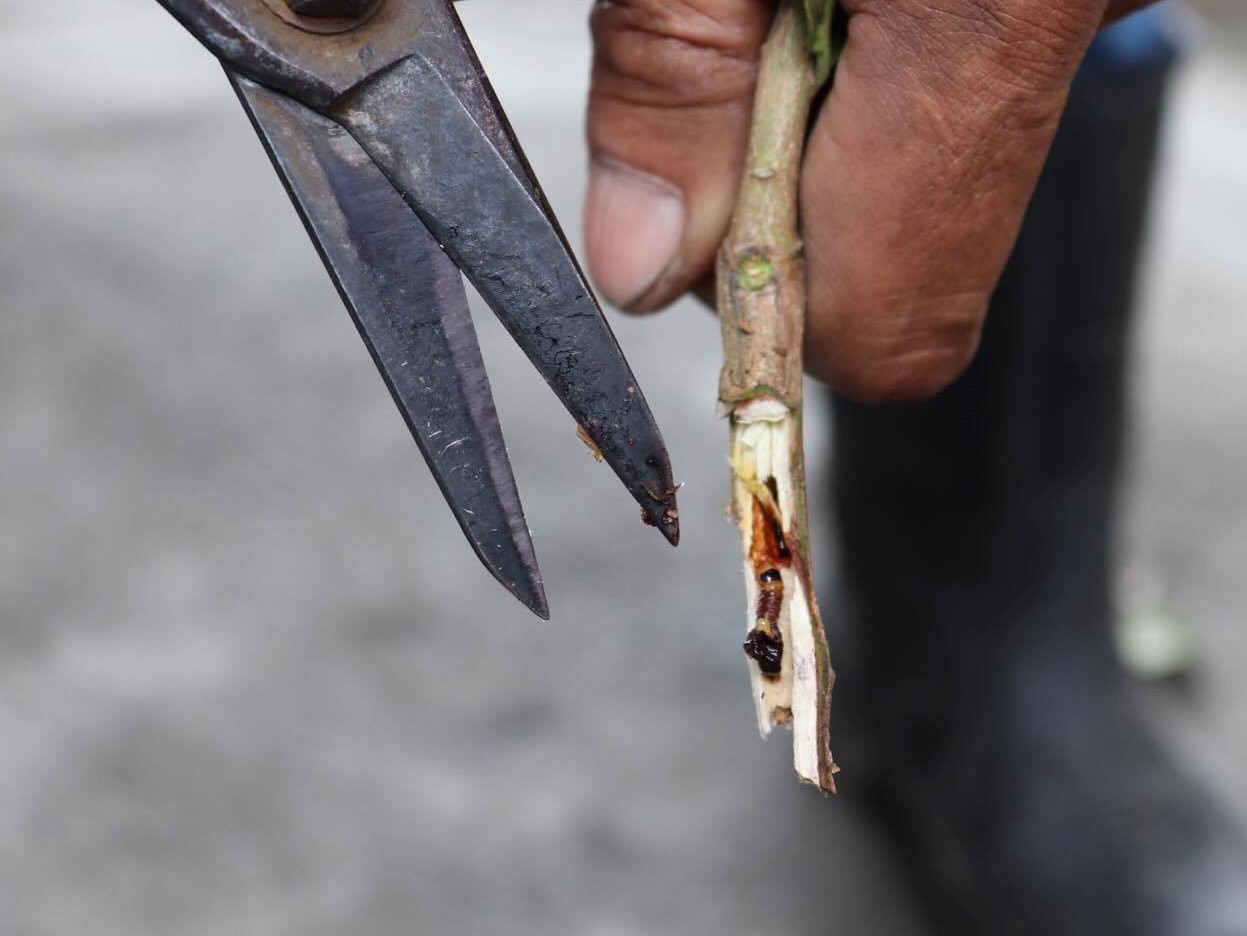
{"x":761,"y":303}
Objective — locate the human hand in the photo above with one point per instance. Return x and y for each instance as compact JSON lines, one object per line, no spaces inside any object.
{"x":917,"y":173}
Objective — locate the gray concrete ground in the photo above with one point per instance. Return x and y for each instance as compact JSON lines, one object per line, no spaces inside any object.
{"x":251,"y":681}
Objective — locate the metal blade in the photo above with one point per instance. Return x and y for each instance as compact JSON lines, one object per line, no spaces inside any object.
{"x":407,"y":299}
{"x":431,"y":124}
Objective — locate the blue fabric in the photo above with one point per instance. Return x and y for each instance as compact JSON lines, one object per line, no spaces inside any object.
{"x":1144,"y":40}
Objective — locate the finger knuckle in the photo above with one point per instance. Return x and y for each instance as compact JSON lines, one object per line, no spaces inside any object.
{"x":915,"y":374}
{"x":914,"y":354}
{"x":677,"y":53}
{"x":1010,"y":52}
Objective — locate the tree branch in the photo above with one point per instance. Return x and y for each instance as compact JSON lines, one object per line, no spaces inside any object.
{"x":761,"y":301}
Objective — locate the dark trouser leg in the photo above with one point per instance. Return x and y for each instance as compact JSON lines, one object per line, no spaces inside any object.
{"x":976,"y":542}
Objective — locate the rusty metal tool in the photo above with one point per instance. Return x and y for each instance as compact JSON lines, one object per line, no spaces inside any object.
{"x":399,"y":159}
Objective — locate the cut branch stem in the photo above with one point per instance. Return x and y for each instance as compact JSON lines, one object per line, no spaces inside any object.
{"x":761,"y":302}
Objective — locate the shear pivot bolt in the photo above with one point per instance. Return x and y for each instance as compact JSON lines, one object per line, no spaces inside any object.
{"x":330,"y":8}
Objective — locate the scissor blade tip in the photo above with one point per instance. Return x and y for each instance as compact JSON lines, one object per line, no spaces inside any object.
{"x":540,"y":608}
{"x":672,"y":532}
{"x":663,"y":515}
{"x":532,"y":595}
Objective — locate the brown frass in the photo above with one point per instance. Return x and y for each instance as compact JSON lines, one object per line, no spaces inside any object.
{"x":765,"y":650}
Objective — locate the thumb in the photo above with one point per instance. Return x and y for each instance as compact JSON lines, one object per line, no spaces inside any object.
{"x":669,"y":112}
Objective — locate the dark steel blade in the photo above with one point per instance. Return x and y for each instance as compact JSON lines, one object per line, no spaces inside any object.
{"x":407,"y":299}
{"x":430,"y":122}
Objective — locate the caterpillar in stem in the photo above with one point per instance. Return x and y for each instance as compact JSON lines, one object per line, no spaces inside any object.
{"x":765,"y":644}
{"x":770,"y":599}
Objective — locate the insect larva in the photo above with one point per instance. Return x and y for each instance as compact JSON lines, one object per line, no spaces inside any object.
{"x":770,"y":598}
{"x":764,"y":645}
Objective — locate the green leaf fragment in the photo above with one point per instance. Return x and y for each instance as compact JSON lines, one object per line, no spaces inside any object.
{"x":817,"y":17}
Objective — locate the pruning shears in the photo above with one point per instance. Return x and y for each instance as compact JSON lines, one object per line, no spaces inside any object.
{"x":381,"y":124}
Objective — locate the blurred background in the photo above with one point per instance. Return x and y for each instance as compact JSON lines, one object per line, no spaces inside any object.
{"x":251,"y":679}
